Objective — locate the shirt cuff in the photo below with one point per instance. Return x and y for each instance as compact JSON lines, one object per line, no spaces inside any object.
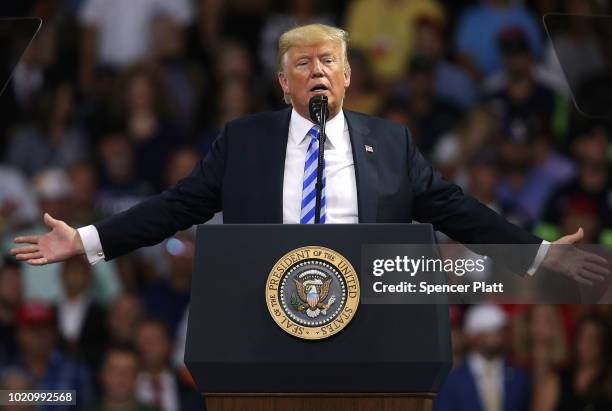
{"x":91,"y":243}
{"x":542,"y":251}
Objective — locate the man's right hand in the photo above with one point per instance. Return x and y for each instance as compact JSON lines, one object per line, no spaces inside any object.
{"x":59,"y":244}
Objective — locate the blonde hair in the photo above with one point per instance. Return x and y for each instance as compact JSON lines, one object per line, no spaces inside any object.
{"x":312,"y":34}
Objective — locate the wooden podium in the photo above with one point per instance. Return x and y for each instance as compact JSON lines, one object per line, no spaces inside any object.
{"x":319,"y":402}
{"x":389,"y":357}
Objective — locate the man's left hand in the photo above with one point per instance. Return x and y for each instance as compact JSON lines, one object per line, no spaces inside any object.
{"x":580,"y":265}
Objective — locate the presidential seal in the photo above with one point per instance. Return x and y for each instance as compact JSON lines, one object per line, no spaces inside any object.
{"x":312,"y":292}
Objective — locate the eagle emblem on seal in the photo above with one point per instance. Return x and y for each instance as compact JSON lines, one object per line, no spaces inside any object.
{"x":312,"y":289}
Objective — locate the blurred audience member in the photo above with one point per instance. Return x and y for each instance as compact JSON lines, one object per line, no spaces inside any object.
{"x":52,"y":138}
{"x":455,"y":314}
{"x":168,"y":297}
{"x":587,"y":383}
{"x":54,"y":189}
{"x":116,"y":34}
{"x":585,"y":201}
{"x":475,"y":134}
{"x":485,"y":381}
{"x":182,"y":78}
{"x":451,"y":82}
{"x":531,"y":170}
{"x":478,"y":28}
{"x":157,"y":384}
{"x":14,"y":379}
{"x":124,"y":314}
{"x":119,"y":188}
{"x":118,"y":378}
{"x":39,"y":358}
{"x":582,"y":212}
{"x":18,"y":206}
{"x":181,"y":165}
{"x":385,"y":32}
{"x":518,"y":62}
{"x":83,"y":199}
{"x":152,"y":133}
{"x":540,"y":340}
{"x":483,"y":179}
{"x":233,"y":62}
{"x":79,"y":317}
{"x":429,"y":116}
{"x":11,"y":296}
{"x":234,"y":100}
{"x":362,"y":96}
{"x":517,"y":90}
{"x":394,"y":110}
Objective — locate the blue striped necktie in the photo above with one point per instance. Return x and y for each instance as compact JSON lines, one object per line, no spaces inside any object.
{"x":309,"y":191}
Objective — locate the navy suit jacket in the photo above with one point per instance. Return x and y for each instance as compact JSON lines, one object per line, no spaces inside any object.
{"x":242,"y":175}
{"x":459,"y":392}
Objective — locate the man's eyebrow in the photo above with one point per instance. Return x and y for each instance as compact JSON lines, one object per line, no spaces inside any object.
{"x":327,"y":54}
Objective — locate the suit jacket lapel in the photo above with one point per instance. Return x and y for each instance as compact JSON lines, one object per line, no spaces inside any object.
{"x":366,"y":171}
{"x":274,"y":149}
{"x":471,"y":389}
{"x":509,"y":380}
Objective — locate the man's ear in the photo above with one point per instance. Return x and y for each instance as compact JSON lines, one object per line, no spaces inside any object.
{"x":282,"y":80}
{"x":347,"y":78}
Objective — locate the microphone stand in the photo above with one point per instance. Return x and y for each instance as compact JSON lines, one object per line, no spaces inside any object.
{"x":322,"y":117}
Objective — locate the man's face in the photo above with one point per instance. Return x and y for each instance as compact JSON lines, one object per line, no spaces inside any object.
{"x":314,"y":70}
{"x":153,"y":344}
{"x":489,"y":344}
{"x":10,"y":286}
{"x":123,"y":316}
{"x":36,"y":340}
{"x":119,"y":375}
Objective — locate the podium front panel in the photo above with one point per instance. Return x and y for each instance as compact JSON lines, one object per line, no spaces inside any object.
{"x":233,"y":344}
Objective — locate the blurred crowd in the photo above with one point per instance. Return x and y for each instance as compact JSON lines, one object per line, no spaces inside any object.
{"x":115,"y":100}
{"x":535,"y":357}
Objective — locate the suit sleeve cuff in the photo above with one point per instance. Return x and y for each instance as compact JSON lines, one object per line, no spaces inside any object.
{"x":91,"y":243}
{"x":542,"y":251}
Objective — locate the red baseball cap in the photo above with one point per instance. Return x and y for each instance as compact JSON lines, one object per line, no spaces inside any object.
{"x":34,"y":313}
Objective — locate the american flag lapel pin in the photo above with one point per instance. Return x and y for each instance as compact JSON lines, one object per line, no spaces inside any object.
{"x":369,"y":149}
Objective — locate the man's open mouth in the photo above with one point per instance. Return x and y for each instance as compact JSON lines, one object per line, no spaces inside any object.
{"x":319,"y":87}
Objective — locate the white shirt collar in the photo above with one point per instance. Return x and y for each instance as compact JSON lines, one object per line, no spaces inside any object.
{"x":478,"y":364}
{"x":80,"y":302}
{"x":300,"y":126}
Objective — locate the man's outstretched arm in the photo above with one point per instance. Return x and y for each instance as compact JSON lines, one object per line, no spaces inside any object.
{"x":468,"y":221}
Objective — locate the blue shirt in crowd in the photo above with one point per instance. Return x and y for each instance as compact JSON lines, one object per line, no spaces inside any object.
{"x":479,"y":26}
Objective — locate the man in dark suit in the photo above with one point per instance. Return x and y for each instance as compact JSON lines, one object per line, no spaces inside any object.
{"x":484,"y":381}
{"x":260,"y":170}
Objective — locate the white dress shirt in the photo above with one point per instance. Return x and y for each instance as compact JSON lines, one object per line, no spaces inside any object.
{"x":71,"y":316}
{"x":340,"y":187}
{"x":167,"y":396}
{"x":489,"y":379}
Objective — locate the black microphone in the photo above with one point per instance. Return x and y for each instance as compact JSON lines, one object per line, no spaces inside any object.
{"x":318,"y":114}
{"x":318,"y":109}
